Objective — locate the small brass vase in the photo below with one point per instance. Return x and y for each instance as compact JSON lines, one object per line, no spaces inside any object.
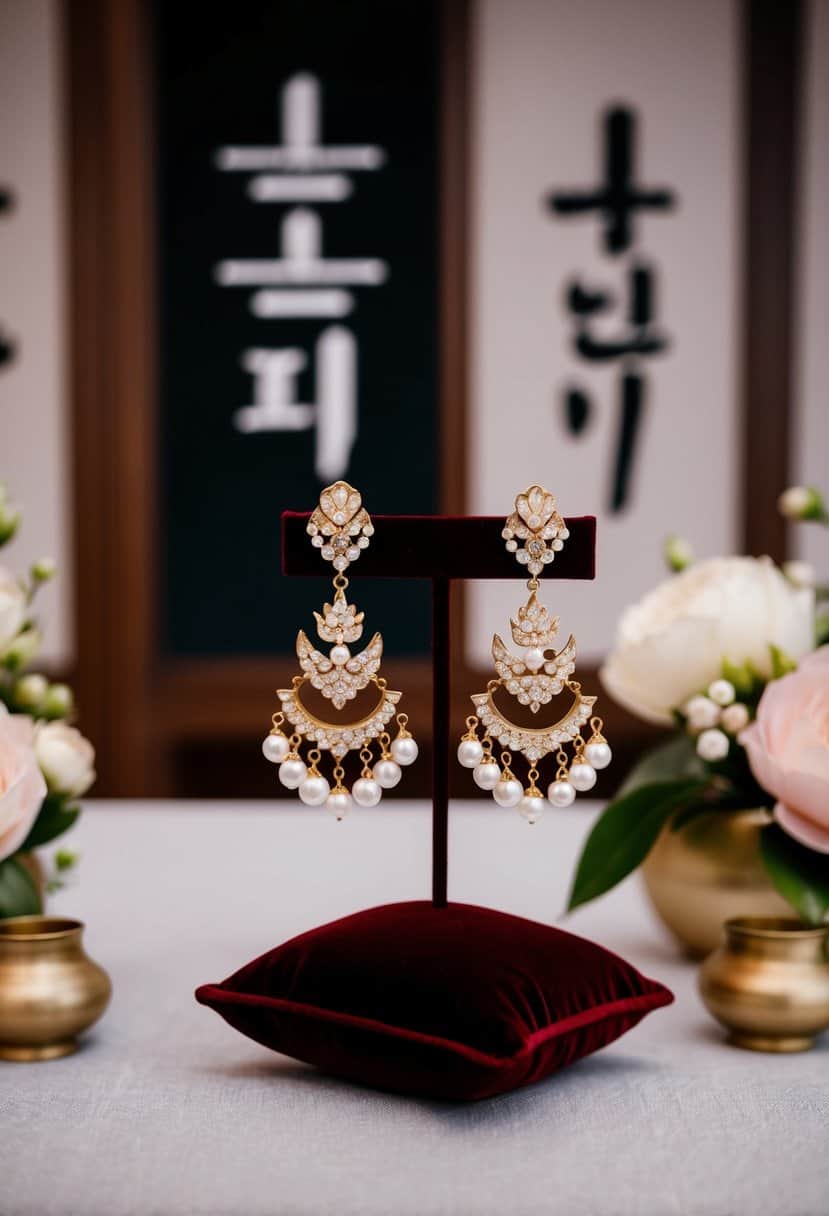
{"x":768,"y":983}
{"x":708,"y":872}
{"x":50,"y":990}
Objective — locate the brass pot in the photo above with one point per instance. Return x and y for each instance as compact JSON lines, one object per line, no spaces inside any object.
{"x":50,"y":990}
{"x":707,"y":873}
{"x":768,"y":983}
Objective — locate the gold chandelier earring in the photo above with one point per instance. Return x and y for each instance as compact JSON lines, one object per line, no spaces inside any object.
{"x":534,"y":532}
{"x":341,"y":529}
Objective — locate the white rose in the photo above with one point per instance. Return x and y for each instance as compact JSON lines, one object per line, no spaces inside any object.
{"x":12,"y":607}
{"x":65,"y":757}
{"x":673,"y":642}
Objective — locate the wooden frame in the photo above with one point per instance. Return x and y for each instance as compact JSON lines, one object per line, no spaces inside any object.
{"x":772,"y":57}
{"x":148,"y":713}
{"x":139,"y":707}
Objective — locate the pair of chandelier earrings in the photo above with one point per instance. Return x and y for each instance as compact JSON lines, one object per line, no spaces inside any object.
{"x":341,"y":528}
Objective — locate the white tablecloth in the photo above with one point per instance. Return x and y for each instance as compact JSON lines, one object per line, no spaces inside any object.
{"x":167,"y":1110}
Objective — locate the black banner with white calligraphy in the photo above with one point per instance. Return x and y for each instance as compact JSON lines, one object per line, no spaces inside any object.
{"x":297,"y":202}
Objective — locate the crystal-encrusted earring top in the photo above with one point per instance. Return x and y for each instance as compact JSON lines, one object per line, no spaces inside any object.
{"x":537,"y":523}
{"x":340,"y":527}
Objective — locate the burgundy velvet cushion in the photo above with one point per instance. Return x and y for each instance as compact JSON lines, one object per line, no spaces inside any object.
{"x":458,"y":1002}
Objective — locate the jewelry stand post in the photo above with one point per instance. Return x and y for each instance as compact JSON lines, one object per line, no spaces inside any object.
{"x":441,"y":549}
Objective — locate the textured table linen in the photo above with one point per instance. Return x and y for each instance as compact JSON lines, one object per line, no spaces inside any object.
{"x":166,"y":1110}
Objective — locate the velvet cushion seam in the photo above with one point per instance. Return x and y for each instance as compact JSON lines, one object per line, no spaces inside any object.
{"x":644,"y":1002}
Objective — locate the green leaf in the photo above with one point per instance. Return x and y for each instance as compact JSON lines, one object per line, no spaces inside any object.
{"x":801,"y":875}
{"x":668,"y":762}
{"x":625,"y":833}
{"x":18,"y":894}
{"x":54,"y":819}
{"x":781,"y":664}
{"x":689,"y":813}
{"x":822,"y":628}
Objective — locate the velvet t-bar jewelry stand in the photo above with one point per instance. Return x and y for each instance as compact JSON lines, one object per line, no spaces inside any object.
{"x":441,"y":549}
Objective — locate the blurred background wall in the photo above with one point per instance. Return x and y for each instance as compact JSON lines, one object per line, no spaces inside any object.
{"x":247,"y":253}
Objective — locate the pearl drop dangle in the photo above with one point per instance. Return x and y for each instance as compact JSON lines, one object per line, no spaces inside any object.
{"x":275,"y":746}
{"x":404,"y":748}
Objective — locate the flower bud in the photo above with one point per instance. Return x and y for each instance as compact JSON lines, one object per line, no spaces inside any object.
{"x":734,"y":718}
{"x":65,"y":757}
{"x":712,"y":745}
{"x":722,"y":692}
{"x":800,"y":574}
{"x":678,"y":553}
{"x":701,"y":713}
{"x":802,"y":502}
{"x":43,"y":570}
{"x":21,"y":650}
{"x":30,"y":690}
{"x":58,"y":702}
{"x":9,"y":520}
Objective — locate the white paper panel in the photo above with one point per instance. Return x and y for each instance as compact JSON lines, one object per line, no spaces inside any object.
{"x":544,"y":71}
{"x":811,"y":451}
{"x":34,"y":444}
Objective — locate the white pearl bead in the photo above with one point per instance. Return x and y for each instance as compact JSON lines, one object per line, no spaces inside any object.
{"x":313,"y":791}
{"x":470,"y":753}
{"x":508,"y":793}
{"x":339,"y":655}
{"x":387,"y":774}
{"x":338,"y":804}
{"x":534,"y":658}
{"x":404,"y":750}
{"x":561,"y":793}
{"x":582,"y":777}
{"x":531,"y":807}
{"x":291,"y":773}
{"x":598,"y":754}
{"x":487,"y":775}
{"x":366,"y":791}
{"x":275,"y":748}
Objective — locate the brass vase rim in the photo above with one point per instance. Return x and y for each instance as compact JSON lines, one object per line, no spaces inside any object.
{"x":775,"y":928}
{"x":38,"y":928}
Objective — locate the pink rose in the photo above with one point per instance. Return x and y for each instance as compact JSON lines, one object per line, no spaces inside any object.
{"x":22,"y":787}
{"x":788,"y":749}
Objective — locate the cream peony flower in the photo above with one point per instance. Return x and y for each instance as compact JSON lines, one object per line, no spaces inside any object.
{"x":671,"y":644}
{"x":22,"y":788}
{"x":65,"y":757}
{"x":788,"y":749}
{"x":12,"y":607}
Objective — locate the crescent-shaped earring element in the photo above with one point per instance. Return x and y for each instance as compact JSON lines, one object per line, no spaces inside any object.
{"x":338,"y":737}
{"x":532,"y":742}
{"x":339,"y":682}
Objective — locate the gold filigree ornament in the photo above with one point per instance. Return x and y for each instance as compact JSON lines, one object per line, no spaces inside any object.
{"x":340,"y":528}
{"x":534,"y":532}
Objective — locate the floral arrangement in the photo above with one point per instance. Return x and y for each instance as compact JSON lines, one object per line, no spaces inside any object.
{"x":731,"y":653}
{"x":45,"y":763}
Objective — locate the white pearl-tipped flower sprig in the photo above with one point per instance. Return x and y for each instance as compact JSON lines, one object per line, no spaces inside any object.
{"x":715,"y":717}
